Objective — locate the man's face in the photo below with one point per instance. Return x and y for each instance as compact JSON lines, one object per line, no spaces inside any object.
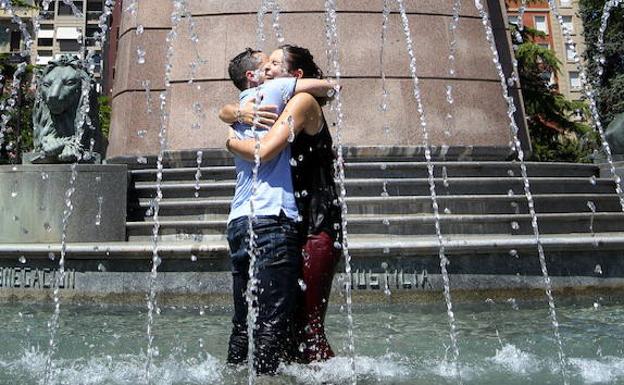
{"x":275,"y":67}
{"x":257,"y":77}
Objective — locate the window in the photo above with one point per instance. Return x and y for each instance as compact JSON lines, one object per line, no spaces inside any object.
{"x":66,"y":10}
{"x":566,"y":3}
{"x":16,"y":41}
{"x":575,"y":81}
{"x":570,"y":51}
{"x":69,"y":46}
{"x":47,"y":42}
{"x":567,"y":22}
{"x":540,"y":24}
{"x":544,"y":45}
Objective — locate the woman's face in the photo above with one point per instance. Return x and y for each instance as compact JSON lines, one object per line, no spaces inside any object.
{"x":276,"y":68}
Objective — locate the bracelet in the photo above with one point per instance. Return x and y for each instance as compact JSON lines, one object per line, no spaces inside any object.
{"x":239,"y":116}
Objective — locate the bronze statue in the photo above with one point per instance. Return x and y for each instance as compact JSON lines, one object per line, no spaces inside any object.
{"x":65,"y":116}
{"x":615,"y":134}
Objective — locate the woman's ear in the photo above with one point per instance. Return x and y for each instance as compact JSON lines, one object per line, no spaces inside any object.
{"x":298,"y":73}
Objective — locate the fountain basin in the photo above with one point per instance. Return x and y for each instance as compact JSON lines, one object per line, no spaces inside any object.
{"x":507,"y":341}
{"x":33,"y":200}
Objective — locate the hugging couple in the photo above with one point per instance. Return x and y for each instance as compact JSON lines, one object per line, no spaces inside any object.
{"x":297,"y":218}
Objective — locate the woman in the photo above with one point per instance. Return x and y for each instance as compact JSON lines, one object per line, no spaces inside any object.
{"x":315,"y":192}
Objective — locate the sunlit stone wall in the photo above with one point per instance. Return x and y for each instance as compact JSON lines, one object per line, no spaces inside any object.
{"x":227,"y":27}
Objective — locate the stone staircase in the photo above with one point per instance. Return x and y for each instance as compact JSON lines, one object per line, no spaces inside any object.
{"x":487,"y":233}
{"x":482,"y":204}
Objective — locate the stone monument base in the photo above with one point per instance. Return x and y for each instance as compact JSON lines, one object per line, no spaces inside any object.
{"x":33,"y":200}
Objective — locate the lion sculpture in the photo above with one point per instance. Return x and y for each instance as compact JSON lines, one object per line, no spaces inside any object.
{"x":615,"y":134}
{"x":65,"y":116}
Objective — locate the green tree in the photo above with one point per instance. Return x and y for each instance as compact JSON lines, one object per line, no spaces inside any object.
{"x":18,"y":129}
{"x":609,"y":88}
{"x":556,"y":132}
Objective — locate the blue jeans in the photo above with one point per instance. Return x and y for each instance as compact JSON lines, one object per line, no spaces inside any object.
{"x":278,"y":263}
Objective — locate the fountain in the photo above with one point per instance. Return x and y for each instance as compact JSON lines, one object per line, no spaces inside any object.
{"x":455,"y":255}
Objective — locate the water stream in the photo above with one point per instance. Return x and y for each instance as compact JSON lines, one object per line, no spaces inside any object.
{"x":331,"y":33}
{"x":516,"y":145}
{"x":432,"y":189}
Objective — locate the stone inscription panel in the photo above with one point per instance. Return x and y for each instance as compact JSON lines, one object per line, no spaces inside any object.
{"x":35,"y":278}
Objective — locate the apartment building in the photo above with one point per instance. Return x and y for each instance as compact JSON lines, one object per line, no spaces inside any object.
{"x":12,"y":44}
{"x":539,"y":16}
{"x":66,"y":29}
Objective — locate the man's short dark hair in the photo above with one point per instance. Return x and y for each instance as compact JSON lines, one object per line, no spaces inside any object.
{"x":243,"y":62}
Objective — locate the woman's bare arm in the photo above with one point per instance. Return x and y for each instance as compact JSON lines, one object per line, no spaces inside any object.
{"x":306,"y":115}
{"x":231,"y":113}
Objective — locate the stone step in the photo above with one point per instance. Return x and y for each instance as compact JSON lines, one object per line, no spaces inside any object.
{"x":360,"y":246}
{"x":394,"y":170}
{"x":219,"y":157}
{"x":414,"y":224}
{"x":206,"y":208}
{"x":403,"y":187}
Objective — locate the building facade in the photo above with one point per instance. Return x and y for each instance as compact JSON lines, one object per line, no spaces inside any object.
{"x":539,"y":16}
{"x":12,"y":43}
{"x":67,"y":30}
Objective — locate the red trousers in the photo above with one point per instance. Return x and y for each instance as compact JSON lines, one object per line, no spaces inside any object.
{"x":319,"y":265}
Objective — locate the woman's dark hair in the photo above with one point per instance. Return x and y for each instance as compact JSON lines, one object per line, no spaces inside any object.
{"x":296,"y":57}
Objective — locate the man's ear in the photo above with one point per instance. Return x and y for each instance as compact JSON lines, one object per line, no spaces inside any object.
{"x":250,"y":76}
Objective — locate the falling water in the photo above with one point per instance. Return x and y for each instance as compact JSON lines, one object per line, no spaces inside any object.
{"x":521,"y":11}
{"x":260,"y":36}
{"x":432,"y":188}
{"x":100,"y":200}
{"x":53,"y":324}
{"x":382,"y":67}
{"x":8,"y":106}
{"x":591,"y":97}
{"x":511,"y":109}
{"x":592,"y":207}
{"x":198,"y":172}
{"x":148,"y":102}
{"x":275,"y":21}
{"x":162,"y":138}
{"x":331,"y":32}
{"x":384,"y":89}
{"x":252,"y":284}
{"x":604,"y":22}
{"x":452,"y":28}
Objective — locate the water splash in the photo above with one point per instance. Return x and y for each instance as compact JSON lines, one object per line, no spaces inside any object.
{"x":604,"y":22}
{"x":176,"y":15}
{"x":516,"y":145}
{"x":54,"y":323}
{"x":432,"y":188}
{"x":331,"y":33}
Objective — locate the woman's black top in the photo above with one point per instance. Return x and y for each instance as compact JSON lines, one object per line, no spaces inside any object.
{"x":313,"y":181}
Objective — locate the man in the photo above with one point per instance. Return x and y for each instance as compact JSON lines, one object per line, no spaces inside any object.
{"x":273,"y":207}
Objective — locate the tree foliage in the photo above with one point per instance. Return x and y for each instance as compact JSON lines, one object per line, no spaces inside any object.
{"x":556,"y":132}
{"x":609,"y":88}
